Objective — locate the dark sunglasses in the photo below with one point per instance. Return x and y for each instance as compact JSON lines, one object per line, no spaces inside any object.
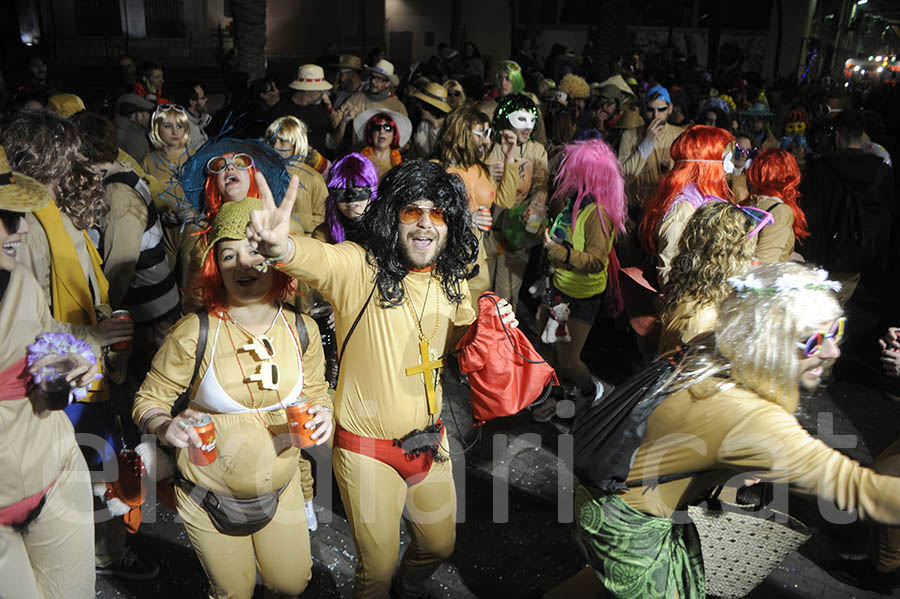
{"x":218,"y":164}
{"x":815,"y":341}
{"x":455,"y":93}
{"x":386,"y":127}
{"x":411,"y":214}
{"x":657,"y":108}
{"x":11,"y":221}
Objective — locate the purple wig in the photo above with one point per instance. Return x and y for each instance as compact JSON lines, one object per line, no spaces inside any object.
{"x":590,"y":169}
{"x":353,"y":170}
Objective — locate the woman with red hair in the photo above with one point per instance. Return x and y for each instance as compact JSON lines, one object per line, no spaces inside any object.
{"x":697,"y":172}
{"x":774,"y":178}
{"x":247,"y":327}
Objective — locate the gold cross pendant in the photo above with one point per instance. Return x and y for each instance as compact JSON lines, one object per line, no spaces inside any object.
{"x":425,"y":369}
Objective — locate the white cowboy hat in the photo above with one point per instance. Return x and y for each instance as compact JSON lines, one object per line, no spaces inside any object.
{"x":310,"y":77}
{"x":385,"y":69}
{"x":403,"y":123}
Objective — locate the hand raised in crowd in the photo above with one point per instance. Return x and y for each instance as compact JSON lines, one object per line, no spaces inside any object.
{"x":508,"y":143}
{"x":655,"y":129}
{"x":178,"y":433}
{"x":890,"y":352}
{"x":270,"y":227}
{"x":114,"y":330}
{"x":326,"y":100}
{"x":322,"y":422}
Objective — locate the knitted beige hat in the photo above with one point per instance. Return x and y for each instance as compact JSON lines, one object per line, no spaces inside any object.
{"x":231,"y":221}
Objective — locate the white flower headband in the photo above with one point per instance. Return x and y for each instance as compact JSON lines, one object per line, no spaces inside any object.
{"x":784,"y":283}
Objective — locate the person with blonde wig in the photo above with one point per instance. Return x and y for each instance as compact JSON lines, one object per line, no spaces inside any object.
{"x":169,"y":136}
{"x":774,"y":178}
{"x":716,"y":245}
{"x":456,"y":95}
{"x":288,"y":135}
{"x":732,"y":395}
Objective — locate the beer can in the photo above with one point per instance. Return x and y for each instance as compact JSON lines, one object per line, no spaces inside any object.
{"x":297,"y":417}
{"x":206,"y":429}
{"x":121,"y":315}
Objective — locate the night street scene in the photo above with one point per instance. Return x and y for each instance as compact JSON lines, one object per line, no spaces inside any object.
{"x":409,"y":299}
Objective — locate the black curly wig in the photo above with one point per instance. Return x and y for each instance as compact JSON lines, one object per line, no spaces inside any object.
{"x":407,"y":183}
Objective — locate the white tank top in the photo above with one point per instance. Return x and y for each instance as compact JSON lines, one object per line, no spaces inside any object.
{"x":212,"y":397}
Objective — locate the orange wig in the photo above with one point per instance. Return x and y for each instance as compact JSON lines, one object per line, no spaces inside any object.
{"x":211,"y":288}
{"x":214,"y":197}
{"x":697,"y":158}
{"x":775,"y":173}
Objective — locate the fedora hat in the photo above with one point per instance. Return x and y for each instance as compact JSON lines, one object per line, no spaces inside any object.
{"x":434,"y":94}
{"x":310,"y":77}
{"x":404,"y":126}
{"x":385,"y":69}
{"x":19,"y":193}
{"x":348,"y":61}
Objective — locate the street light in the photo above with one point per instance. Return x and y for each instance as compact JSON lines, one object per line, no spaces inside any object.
{"x":861,"y":2}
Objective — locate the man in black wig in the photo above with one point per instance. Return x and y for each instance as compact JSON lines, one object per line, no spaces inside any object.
{"x":399,"y":306}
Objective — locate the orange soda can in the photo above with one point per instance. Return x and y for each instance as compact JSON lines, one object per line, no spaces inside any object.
{"x":121,"y":315}
{"x":297,"y":417}
{"x":206,"y":429}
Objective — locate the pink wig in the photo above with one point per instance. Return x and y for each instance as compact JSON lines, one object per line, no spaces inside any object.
{"x":590,"y":169}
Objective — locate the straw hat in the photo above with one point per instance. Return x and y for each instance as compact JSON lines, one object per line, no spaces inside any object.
{"x":403,"y":123}
{"x":18,"y":192}
{"x":630,"y":119}
{"x":348,"y":61}
{"x":385,"y":69}
{"x":434,"y":94}
{"x":310,"y":77}
{"x":231,"y":221}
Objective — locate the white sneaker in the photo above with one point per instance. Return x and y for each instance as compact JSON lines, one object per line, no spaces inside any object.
{"x":311,"y":521}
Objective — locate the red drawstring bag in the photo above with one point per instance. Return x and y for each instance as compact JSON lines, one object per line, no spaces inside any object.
{"x":506,"y":374}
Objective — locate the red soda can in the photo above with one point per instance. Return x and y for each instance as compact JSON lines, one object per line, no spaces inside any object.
{"x":121,"y":315}
{"x":297,"y":417}
{"x":206,"y":429}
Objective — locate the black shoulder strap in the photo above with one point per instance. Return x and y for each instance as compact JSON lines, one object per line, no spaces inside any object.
{"x":353,"y":326}
{"x":300,"y":325}
{"x":129,"y":178}
{"x":182,"y":402}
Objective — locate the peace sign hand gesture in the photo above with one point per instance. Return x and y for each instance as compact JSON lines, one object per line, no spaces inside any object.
{"x":269,"y":228}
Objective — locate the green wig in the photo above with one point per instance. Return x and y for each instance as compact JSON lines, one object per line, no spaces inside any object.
{"x":513,"y":71}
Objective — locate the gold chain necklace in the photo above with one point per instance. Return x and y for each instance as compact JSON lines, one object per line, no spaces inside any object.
{"x":411,"y":309}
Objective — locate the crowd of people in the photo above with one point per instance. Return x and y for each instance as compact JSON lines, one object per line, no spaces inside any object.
{"x":331,"y":238}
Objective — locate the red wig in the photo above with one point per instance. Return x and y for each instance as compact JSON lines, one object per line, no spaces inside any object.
{"x":211,"y":289}
{"x":697,"y":158}
{"x":775,"y":173}
{"x":376,"y":121}
{"x":214,"y":197}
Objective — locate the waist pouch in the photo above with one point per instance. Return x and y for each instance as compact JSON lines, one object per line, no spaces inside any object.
{"x":230,"y":515}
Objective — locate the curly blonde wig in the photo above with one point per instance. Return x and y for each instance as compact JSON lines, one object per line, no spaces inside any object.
{"x":159,"y":118}
{"x":46,"y":146}
{"x":575,"y":86}
{"x":713,"y":247}
{"x":289,"y":129}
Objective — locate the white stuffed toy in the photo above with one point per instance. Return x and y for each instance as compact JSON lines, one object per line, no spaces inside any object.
{"x":556,"y":329}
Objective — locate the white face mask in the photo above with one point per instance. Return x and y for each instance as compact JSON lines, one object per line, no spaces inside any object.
{"x":521,"y":119}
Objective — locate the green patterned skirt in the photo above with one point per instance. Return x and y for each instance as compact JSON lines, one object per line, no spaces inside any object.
{"x":637,"y":556}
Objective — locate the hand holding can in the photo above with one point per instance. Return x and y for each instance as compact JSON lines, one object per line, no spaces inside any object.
{"x":206,"y":429}
{"x":297,"y":417}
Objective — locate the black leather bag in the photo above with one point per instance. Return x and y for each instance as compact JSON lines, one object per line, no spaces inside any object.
{"x":232,"y":516}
